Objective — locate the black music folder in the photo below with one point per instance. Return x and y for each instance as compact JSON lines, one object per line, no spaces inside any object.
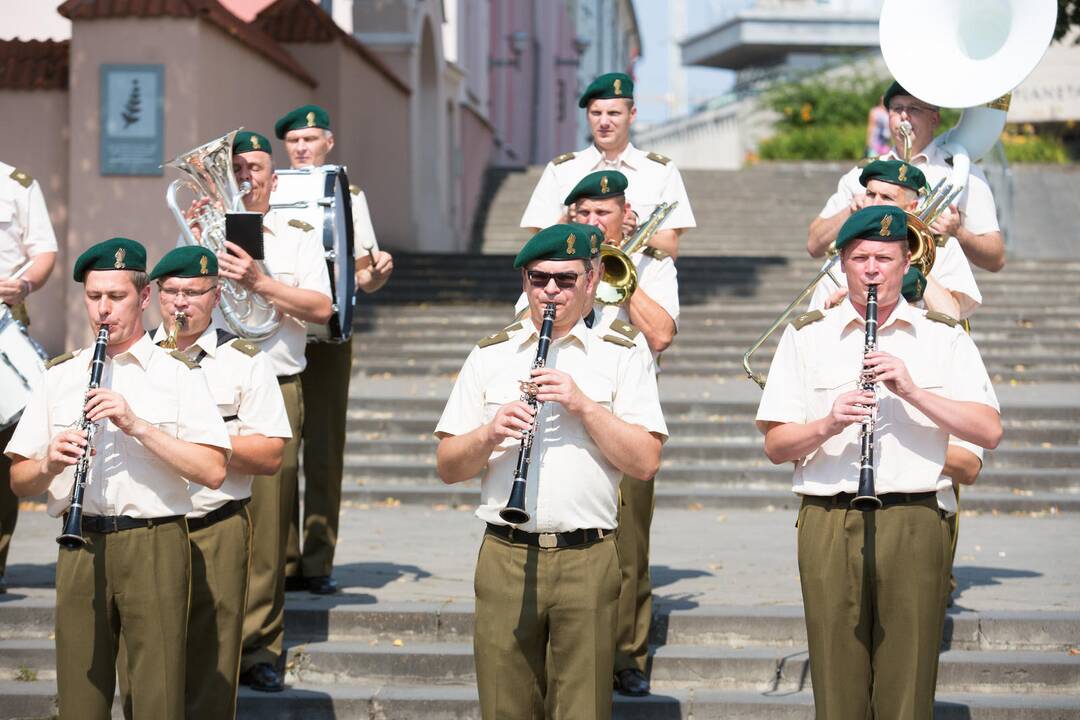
{"x":246,"y":230}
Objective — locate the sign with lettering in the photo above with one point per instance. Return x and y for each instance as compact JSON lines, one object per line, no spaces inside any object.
{"x":132,"y":119}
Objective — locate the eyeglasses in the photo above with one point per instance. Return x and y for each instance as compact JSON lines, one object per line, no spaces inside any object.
{"x":564,"y":280}
{"x":911,"y":110}
{"x":189,"y":294}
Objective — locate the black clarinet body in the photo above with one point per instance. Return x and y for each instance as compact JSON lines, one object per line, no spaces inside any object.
{"x":514,"y":512}
{"x":866,"y":498}
{"x":71,"y":535}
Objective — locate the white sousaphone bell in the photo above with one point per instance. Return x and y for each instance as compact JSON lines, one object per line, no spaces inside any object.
{"x":970,"y":54}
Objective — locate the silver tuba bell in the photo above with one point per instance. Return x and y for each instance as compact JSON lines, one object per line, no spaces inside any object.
{"x":209,"y":174}
{"x":982,"y":49}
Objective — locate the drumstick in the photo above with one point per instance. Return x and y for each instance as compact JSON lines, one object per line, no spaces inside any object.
{"x":368,"y":245}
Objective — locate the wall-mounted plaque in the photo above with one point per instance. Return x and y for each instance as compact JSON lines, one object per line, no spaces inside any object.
{"x":132,"y":119}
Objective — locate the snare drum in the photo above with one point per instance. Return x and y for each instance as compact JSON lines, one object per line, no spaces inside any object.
{"x":320,"y":197}
{"x":22,"y":365}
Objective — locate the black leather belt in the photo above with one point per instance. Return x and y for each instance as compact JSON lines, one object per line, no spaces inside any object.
{"x":217,"y":514}
{"x":571,"y":538}
{"x":115,"y":523}
{"x":887,"y":499}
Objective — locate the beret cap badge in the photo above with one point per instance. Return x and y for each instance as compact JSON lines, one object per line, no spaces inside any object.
{"x":203,"y":261}
{"x":618,"y":86}
{"x":901,"y":173}
{"x":885,"y":223}
{"x":119,"y":264}
{"x":570,"y":244}
{"x":311,"y":119}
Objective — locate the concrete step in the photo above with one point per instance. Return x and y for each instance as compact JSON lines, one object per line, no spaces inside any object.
{"x":317,"y":702}
{"x":682,"y":666}
{"x":678,"y":450}
{"x":430,"y":491}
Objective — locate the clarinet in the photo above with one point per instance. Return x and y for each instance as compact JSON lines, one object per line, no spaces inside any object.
{"x":514,"y":512}
{"x":866,"y":498}
{"x":71,"y":534}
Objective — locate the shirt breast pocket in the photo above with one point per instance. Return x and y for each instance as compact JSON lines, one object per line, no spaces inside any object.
{"x":826,"y":384}
{"x":7,"y":211}
{"x":926,"y":377}
{"x":600,"y":390}
{"x":163,"y":417}
{"x":495,"y":398}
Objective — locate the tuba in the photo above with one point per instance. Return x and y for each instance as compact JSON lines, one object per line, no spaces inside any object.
{"x":982,"y":50}
{"x":618,"y":276}
{"x":209,"y":174}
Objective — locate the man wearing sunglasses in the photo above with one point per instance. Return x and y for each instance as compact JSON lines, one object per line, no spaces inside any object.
{"x":549,"y":587}
{"x":219,"y":528}
{"x":972,"y":219}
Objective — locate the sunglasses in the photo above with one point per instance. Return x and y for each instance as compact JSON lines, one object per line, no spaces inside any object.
{"x":564,"y":280}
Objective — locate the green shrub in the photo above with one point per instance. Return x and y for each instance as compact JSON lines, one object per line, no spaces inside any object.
{"x":816,"y":143}
{"x":1030,"y":148}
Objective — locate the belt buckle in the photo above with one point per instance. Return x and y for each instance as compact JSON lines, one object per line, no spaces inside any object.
{"x":548,"y":540}
{"x":113,"y":523}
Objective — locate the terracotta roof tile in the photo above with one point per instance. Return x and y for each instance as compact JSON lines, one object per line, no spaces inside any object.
{"x":303,"y":21}
{"x":209,"y":10}
{"x":34,"y":64}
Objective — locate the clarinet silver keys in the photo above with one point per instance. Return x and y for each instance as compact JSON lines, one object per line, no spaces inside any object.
{"x":866,"y":498}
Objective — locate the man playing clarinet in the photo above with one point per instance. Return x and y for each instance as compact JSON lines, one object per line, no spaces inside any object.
{"x":548,"y":586}
{"x":873,"y":581}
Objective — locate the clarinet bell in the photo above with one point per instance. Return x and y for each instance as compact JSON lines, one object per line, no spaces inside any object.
{"x":514,"y":512}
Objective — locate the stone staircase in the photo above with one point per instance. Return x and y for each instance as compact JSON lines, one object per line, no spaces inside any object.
{"x":354,"y":657}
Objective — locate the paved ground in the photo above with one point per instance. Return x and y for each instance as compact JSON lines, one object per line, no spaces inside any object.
{"x":404,"y":554}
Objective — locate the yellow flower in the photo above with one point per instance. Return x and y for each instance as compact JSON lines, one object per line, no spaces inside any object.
{"x":806,"y":112}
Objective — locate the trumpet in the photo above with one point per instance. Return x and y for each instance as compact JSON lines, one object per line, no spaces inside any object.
{"x":618,"y":275}
{"x":179,"y":321}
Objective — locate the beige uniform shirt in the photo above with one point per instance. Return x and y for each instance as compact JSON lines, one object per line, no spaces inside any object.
{"x":293,"y":257}
{"x":363,"y":230}
{"x":816,"y":364}
{"x":571,"y":485}
{"x":125,"y":477}
{"x":248,"y":400}
{"x":653,"y":179}
{"x":25,"y":230}
{"x":951,"y":269}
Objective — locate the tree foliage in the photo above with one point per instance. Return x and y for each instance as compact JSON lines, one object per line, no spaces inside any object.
{"x":1068,"y":17}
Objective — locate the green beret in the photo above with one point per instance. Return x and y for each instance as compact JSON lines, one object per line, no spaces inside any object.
{"x":114,"y":254}
{"x":305,"y":116}
{"x":598,"y":185}
{"x":608,"y":86}
{"x":248,"y":141}
{"x":187,"y":261}
{"x":877,"y":222}
{"x":914,"y":285}
{"x":569,"y":241}
{"x":896,"y":89}
{"x":894,"y":172}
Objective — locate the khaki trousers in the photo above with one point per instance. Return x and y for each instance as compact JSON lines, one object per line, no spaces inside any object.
{"x":637,"y":503}
{"x":873,"y":588}
{"x":325,"y":382}
{"x":220,"y":559}
{"x":134,"y":582}
{"x":9,"y":504}
{"x":272,"y":498}
{"x":532,"y":604}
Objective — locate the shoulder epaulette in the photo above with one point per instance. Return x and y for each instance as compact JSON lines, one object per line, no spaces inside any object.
{"x":563,"y":158}
{"x":657,"y":157}
{"x":494,"y":339}
{"x":224,"y":336}
{"x":354,"y":189}
{"x":512,"y":327}
{"x":245,"y":346}
{"x":522,"y":314}
{"x":655,"y":253}
{"x":806,"y":318}
{"x":941,"y":318}
{"x":625,"y":329}
{"x":22,"y":177}
{"x":59,"y":359}
{"x":192,"y":365}
{"x":306,"y":227}
{"x":619,"y":341}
